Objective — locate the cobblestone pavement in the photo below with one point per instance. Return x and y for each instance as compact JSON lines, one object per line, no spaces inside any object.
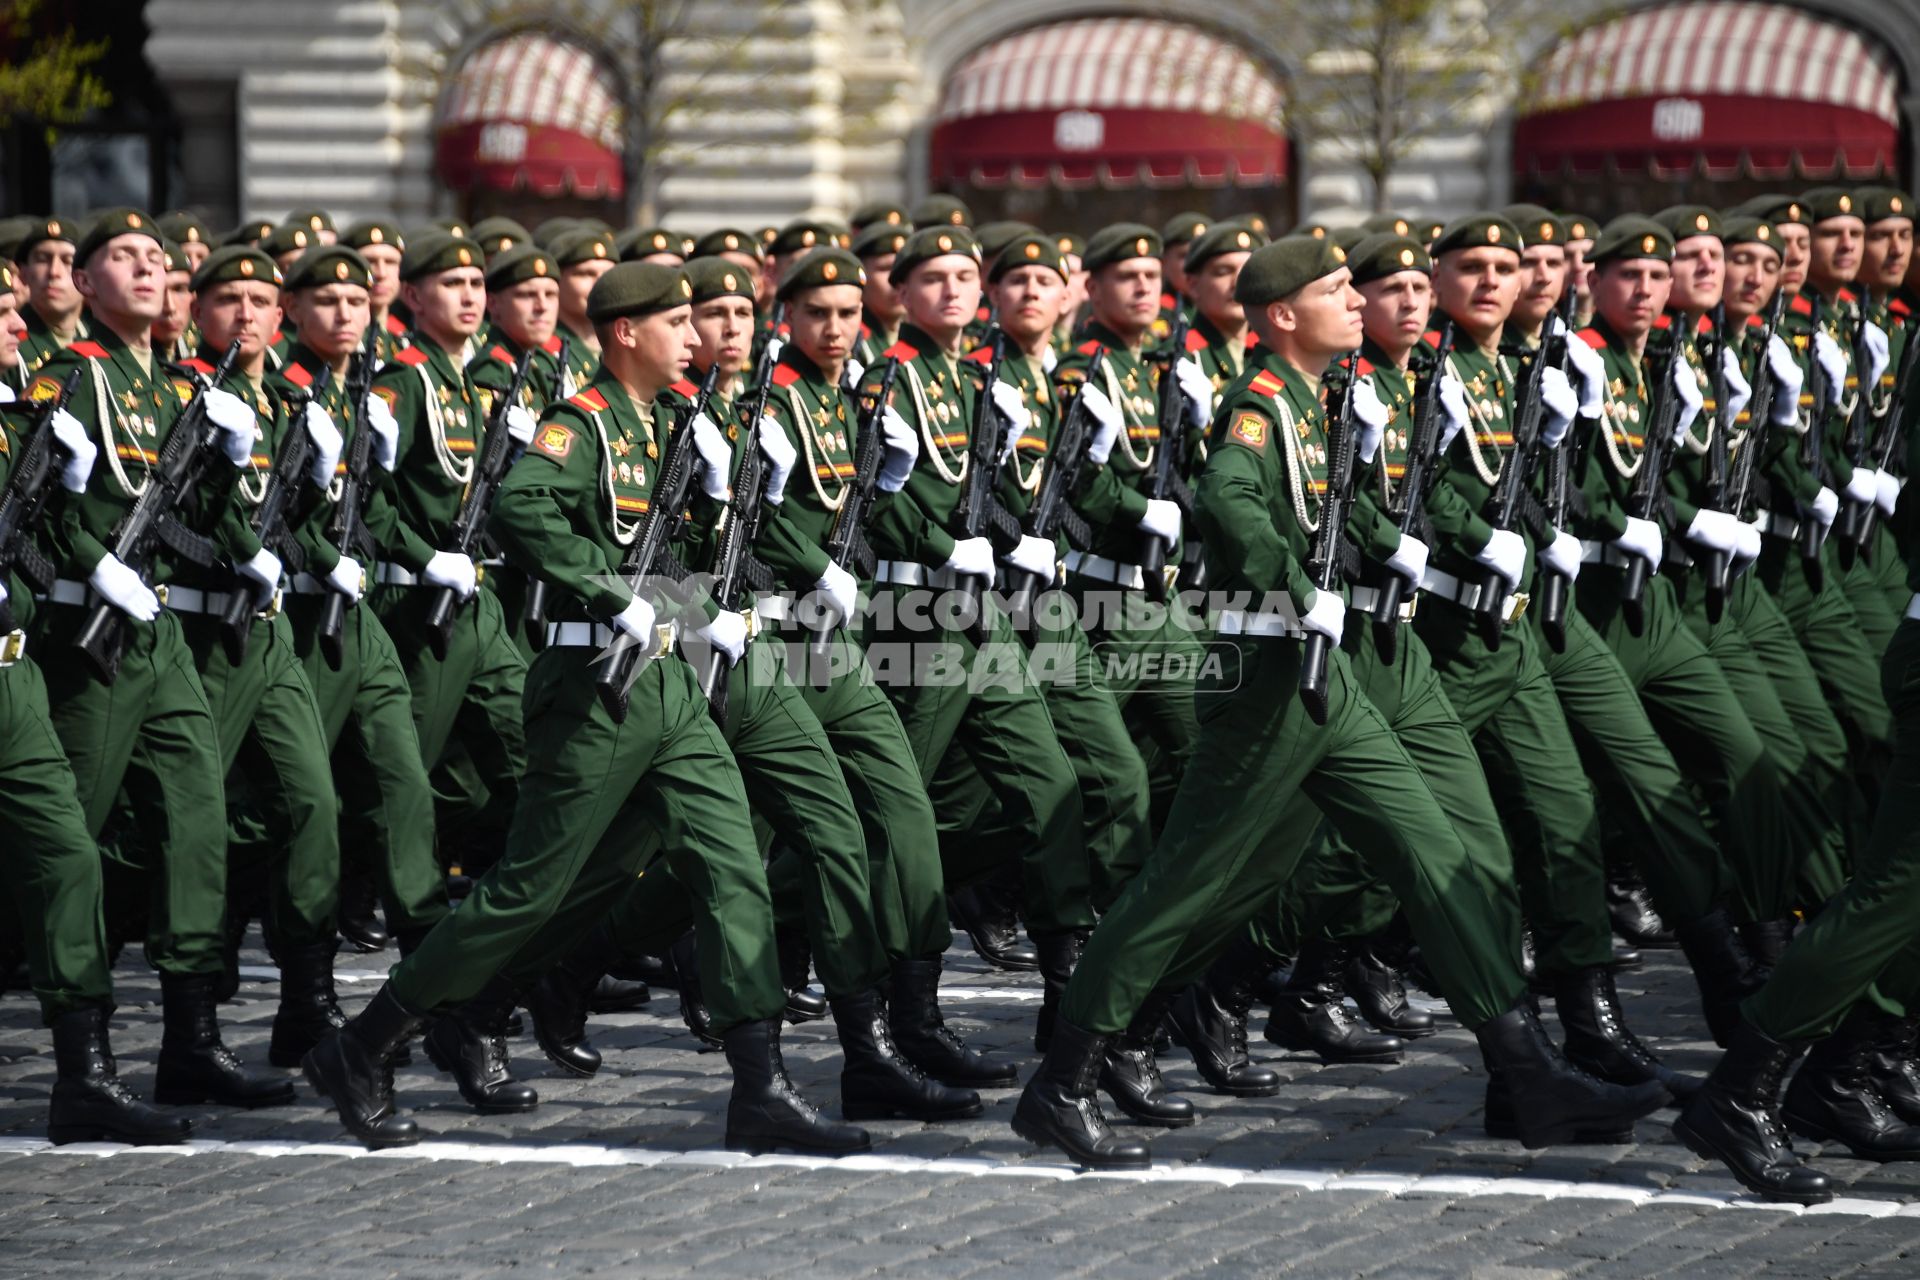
{"x":1350,"y":1171}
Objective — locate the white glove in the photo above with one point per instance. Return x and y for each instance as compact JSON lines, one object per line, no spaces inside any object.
{"x":386,"y":432}
{"x":1409,"y":559}
{"x":1453,"y":409}
{"x":263,"y":571}
{"x":236,"y":422}
{"x":1863,"y":485}
{"x":1327,"y":615}
{"x":971,"y":558}
{"x":1032,"y":555}
{"x":347,"y":577}
{"x":855,"y":370}
{"x":121,"y":587}
{"x":6,"y":397}
{"x":1714,"y":529}
{"x":1642,"y":539}
{"x":780,"y":455}
{"x":1100,"y":448}
{"x":902,"y":450}
{"x":327,"y":443}
{"x":1589,"y":376}
{"x":841,"y":593}
{"x":1739,"y":390}
{"x":1162,"y":520}
{"x":1888,"y":495}
{"x":1505,"y":554}
{"x":80,"y":450}
{"x":1747,"y":550}
{"x":776,"y":345}
{"x":1560,"y":404}
{"x":1878,"y":356}
{"x":716,"y":459}
{"x":1562,"y":555}
{"x":1787,"y":381}
{"x":1197,"y":390}
{"x":1687,"y":387}
{"x":1833,"y":363}
{"x":1049,"y":360}
{"x":451,"y":571}
{"x":1826,"y":505}
{"x":727,"y":632}
{"x":520,"y":424}
{"x":1372,"y":417}
{"x":1011,"y":405}
{"x":636,"y":620}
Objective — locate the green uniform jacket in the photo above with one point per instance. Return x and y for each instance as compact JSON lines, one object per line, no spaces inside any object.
{"x":1113,"y":498}
{"x":442,"y":437}
{"x":40,"y":345}
{"x":1461,"y":500}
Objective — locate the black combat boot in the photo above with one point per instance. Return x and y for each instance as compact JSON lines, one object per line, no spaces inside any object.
{"x":194,"y":1065}
{"x":654,"y":971}
{"x":1835,"y":1098}
{"x":1059,"y":1108}
{"x":1630,"y":909}
{"x":1210,"y":1019}
{"x":1722,"y":969}
{"x":353,"y":1069}
{"x":684,"y":955}
{"x":877,"y":1082}
{"x":308,"y":1011}
{"x":357,"y":919}
{"x":91,"y":1103}
{"x":560,"y":1002}
{"x":228,"y":985}
{"x":1311,"y":1015}
{"x":1599,"y":1041}
{"x":766,"y":1113}
{"x":1625,"y":957}
{"x":610,"y":994}
{"x":470,"y":1044}
{"x":1381,"y":996}
{"x":1059,"y":952}
{"x":1766,"y":942}
{"x":925,"y":1039}
{"x":796,"y":959}
{"x":1130,"y":1073}
{"x":1551,"y":1100}
{"x":1736,"y":1120}
{"x":986,"y":913}
{"x":1896,"y":1069}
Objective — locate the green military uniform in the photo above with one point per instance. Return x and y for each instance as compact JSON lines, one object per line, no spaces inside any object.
{"x":41,"y":343}
{"x":1879,"y":576}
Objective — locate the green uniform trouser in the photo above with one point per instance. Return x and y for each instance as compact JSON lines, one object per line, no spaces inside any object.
{"x":1870,"y":933}
{"x":1705,"y":723}
{"x":1114,"y":798}
{"x":1508,"y":704}
{"x":983,"y":700}
{"x":509,"y":587}
{"x":1876,"y":587}
{"x":474,"y":691}
{"x":269,"y":731}
{"x":366,"y":713}
{"x":51,"y":864}
{"x":151,"y":732}
{"x":1261,"y":776}
{"x":595,"y":793}
{"x":1829,"y":631}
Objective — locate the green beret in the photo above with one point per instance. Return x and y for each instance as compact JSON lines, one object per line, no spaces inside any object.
{"x":248,"y":233}
{"x":642,"y":241}
{"x":1631,"y":236}
{"x":56,"y":227}
{"x":823,"y":266}
{"x":176,"y":257}
{"x":289,"y":237}
{"x":1347,"y":237}
{"x":638,"y":289}
{"x":767,"y":236}
{"x":437,"y":251}
{"x":1121,"y":242}
{"x":582,"y":244}
{"x":1386,"y":254}
{"x":1318,"y":230}
{"x":929,"y":243}
{"x":1476,"y":231}
{"x":1390,"y":223}
{"x":453,"y":227}
{"x":552,"y":229}
{"x":374,"y":231}
{"x":1256,"y":223}
{"x":718,"y":278}
{"x":182,"y":227}
{"x":1775,"y":209}
{"x":6,"y":275}
{"x":497,"y":234}
{"x":1538,"y":225}
{"x":1184,"y":228}
{"x":1285,"y":267}
{"x":996,"y":236}
{"x":522,"y":262}
{"x":1223,"y":237}
{"x":942,"y":210}
{"x":1742,"y":228}
{"x":1880,"y":204}
{"x":235,"y":262}
{"x":111,"y":223}
{"x":328,"y":264}
{"x":875,"y":212}
{"x":1580,"y":226}
{"x":1035,"y":249}
{"x":311,"y":219}
{"x":601,"y":225}
{"x":1830,"y":202}
{"x":878,"y":239}
{"x":1684,"y":220}
{"x":728,"y":240}
{"x":1071,"y":243}
{"x":801,"y":235}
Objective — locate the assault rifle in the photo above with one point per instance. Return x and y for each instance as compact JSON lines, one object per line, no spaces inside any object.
{"x":347,"y":530}
{"x":24,"y":499}
{"x":1324,"y":564}
{"x":270,"y":518}
{"x":1168,"y":484}
{"x":1648,"y":497}
{"x":1052,"y":513}
{"x":846,"y":543}
{"x":737,"y":575}
{"x":1423,"y":451}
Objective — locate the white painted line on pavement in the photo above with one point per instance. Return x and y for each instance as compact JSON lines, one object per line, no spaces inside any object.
{"x":583,"y":1155}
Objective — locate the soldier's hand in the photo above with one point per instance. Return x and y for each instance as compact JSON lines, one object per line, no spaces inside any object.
{"x":1372,"y":417}
{"x":855,"y":371}
{"x":236,"y":422}
{"x":1739,"y":390}
{"x":727,"y":632}
{"x":1826,"y":505}
{"x":1032,"y":555}
{"x":1643,"y":539}
{"x":327,"y":442}
{"x":1409,"y":559}
{"x":838,"y":591}
{"x":348,"y":578}
{"x":1560,"y":403}
{"x":1787,"y":381}
{"x":386,"y":432}
{"x":902,"y":450}
{"x":1162,"y":520}
{"x":1589,"y":376}
{"x":1012,"y":408}
{"x":1562,"y":555}
{"x":776,"y":344}
{"x":1687,"y":386}
{"x":1197,"y":390}
{"x":1874,"y":338}
{"x":780,"y":455}
{"x":716,"y":459}
{"x":1327,"y":616}
{"x":1863,"y":485}
{"x":1453,"y":409}
{"x":121,"y":587}
{"x":520,"y":424}
{"x":1714,"y":529}
{"x":971,"y":558}
{"x":1833,"y":363}
{"x":1747,"y":550}
{"x":81,"y":452}
{"x":1505,"y":554}
{"x":1108,"y":423}
{"x":636,"y":621}
{"x":263,"y":571}
{"x":451,"y":570}
{"x":1888,"y":495}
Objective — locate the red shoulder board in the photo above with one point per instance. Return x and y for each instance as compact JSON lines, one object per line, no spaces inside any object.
{"x":1432,"y":337}
{"x":866,"y":332}
{"x":1087,"y":348}
{"x":1899,"y":308}
{"x":395,"y":325}
{"x":1846,"y":295}
{"x":1755,"y":321}
{"x":1801,"y":305}
{"x":590,"y":400}
{"x":1594,"y":338}
{"x":1663,"y":321}
{"x":1167,"y":302}
{"x":1365,"y":369}
{"x":785,"y":375}
{"x":983,"y":314}
{"x":410,"y":355}
{"x":979,"y":355}
{"x":1196,"y":340}
{"x":685,"y":388}
{"x":1267,"y":384}
{"x":297,"y":374}
{"x":500,"y":353}
{"x":194,"y":363}
{"x":552,"y":345}
{"x":899,"y":351}
{"x":1253,"y":340}
{"x":91,"y":350}
{"x":1705,"y":326}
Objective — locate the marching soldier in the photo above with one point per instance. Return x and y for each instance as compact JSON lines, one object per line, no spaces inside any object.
{"x":382,"y":247}
{"x":1876,"y":583}
{"x":174,"y":335}
{"x":583,"y":256}
{"x":1219,"y":339}
{"x":55,"y":305}
{"x":880,"y":309}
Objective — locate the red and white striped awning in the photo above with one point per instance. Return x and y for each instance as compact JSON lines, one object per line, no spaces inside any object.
{"x":1725,"y":87}
{"x":1114,"y":102}
{"x":531,"y":113}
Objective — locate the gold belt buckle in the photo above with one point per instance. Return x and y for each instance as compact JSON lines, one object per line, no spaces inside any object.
{"x":1172,"y":572}
{"x":160,"y":593}
{"x":1410,"y":606}
{"x":662,"y":640}
{"x":272,"y":610}
{"x":13,"y":647}
{"x":752,"y":619}
{"x":479,"y":573}
{"x":1516,"y":606}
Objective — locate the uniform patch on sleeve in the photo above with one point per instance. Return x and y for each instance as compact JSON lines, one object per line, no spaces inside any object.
{"x":554,"y":440}
{"x":391,"y":396}
{"x":44,"y":389}
{"x":1249,"y":429}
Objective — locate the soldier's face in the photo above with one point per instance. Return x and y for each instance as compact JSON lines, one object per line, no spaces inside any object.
{"x":725,"y":326}
{"x":1888,"y":250}
{"x":195,"y":252}
{"x":1173,"y":268}
{"x":527,"y":312}
{"x":383,"y":273}
{"x":824,"y":322}
{"x":243,"y":311}
{"x":1699,"y":274}
{"x":48,"y":272}
{"x":1836,"y":251}
{"x":1796,"y":251}
{"x":1753,"y":273}
{"x":13,"y":328}
{"x":332,"y":318}
{"x":1211,"y":288}
{"x":1543,"y":278}
{"x":124,"y":279}
{"x":576,"y":282}
{"x":176,"y":308}
{"x":1076,"y":284}
{"x":655,"y":350}
{"x":1322,"y":320}
{"x":1126,"y":295}
{"x":1478,"y":286}
{"x":943,"y":294}
{"x":1028,"y":302}
{"x":448,"y":304}
{"x":881,"y":297}
{"x":1396,"y":309}
{"x":1577,"y":266}
{"x":1631,"y":293}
